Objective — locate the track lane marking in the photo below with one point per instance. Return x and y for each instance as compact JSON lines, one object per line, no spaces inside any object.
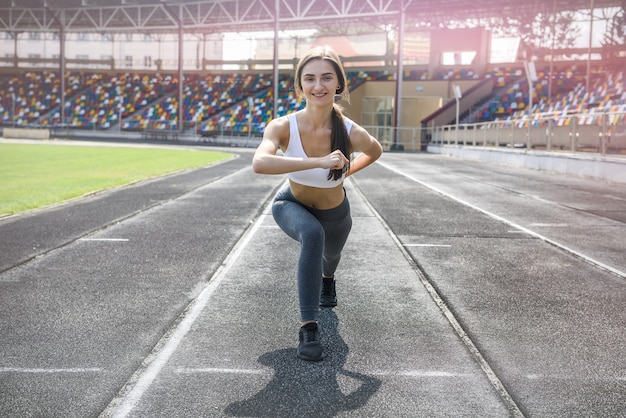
{"x":50,"y":370}
{"x":428,"y":245}
{"x":105,"y":239}
{"x":220,"y":370}
{"x":550,"y":241}
{"x":140,"y":382}
{"x":495,"y":381}
{"x":398,"y":373}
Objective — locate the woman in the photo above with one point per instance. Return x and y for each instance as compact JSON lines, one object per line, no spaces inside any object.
{"x":317,"y":143}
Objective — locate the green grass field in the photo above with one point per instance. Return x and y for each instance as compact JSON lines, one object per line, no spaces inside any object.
{"x":35,"y":176}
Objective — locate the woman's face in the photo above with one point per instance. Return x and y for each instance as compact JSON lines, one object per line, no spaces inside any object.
{"x":319,"y":82}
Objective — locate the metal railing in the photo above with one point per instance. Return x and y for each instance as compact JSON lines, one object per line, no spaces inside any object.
{"x":400,"y":139}
{"x":603,"y":133}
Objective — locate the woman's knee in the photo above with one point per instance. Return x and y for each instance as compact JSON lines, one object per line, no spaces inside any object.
{"x":312,"y":232}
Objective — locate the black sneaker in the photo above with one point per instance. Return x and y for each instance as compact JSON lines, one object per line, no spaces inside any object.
{"x":328,"y":298}
{"x":310,"y":348}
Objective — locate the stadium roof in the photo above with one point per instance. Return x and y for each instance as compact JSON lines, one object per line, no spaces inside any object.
{"x":255,"y":15}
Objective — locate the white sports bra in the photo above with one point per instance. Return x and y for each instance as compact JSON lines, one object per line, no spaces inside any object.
{"x":313,"y":177}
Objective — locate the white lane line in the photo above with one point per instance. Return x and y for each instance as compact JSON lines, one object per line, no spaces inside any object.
{"x":586,"y":378}
{"x":580,"y":255}
{"x":105,"y":239}
{"x":427,"y":245}
{"x":219,"y":370}
{"x":140,"y":382}
{"x":52,"y":370}
{"x":420,"y":373}
{"x":399,"y":373}
{"x":443,"y":306}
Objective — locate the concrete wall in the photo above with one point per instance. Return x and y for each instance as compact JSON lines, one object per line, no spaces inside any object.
{"x":588,"y":165}
{"x":24,"y":133}
{"x":431,"y":94}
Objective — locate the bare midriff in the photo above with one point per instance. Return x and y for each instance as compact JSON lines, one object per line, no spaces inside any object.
{"x":316,"y":197}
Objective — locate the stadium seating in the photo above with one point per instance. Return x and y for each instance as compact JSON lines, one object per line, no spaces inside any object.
{"x":606,"y":93}
{"x":241,"y":103}
{"x":239,"y":120}
{"x":457,"y":74}
{"x":416,"y":75}
{"x":568,"y":94}
{"x":29,"y":95}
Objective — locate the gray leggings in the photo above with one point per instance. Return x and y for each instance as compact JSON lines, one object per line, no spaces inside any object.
{"x":322,"y":235}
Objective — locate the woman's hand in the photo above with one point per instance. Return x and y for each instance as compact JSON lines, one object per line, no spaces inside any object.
{"x":334,"y":161}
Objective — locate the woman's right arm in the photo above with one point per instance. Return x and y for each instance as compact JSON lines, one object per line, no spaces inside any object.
{"x":276,"y":136}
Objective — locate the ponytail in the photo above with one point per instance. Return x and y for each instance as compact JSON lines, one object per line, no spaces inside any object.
{"x":339,"y":140}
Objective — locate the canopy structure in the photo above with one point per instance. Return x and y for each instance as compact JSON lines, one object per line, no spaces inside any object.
{"x":258,"y":15}
{"x":216,"y":16}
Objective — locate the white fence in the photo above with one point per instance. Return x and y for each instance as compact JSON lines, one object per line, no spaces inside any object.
{"x":603,"y":133}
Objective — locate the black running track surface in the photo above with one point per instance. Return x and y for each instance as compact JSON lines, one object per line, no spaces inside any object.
{"x":465,"y":289}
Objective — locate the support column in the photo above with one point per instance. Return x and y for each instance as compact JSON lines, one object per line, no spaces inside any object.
{"x":16,"y":34}
{"x":276,"y":74}
{"x":399,"y":76}
{"x":552,"y":53}
{"x":181,"y":78}
{"x":59,"y":16}
{"x":591,"y":7}
{"x":62,"y":64}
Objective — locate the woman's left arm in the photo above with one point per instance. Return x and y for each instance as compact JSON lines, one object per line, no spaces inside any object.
{"x":369,"y":147}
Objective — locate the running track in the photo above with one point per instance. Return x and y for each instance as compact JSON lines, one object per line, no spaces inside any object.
{"x":466,"y":289}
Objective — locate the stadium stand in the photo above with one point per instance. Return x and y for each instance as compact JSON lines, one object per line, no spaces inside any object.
{"x":568,"y":96}
{"x":218,"y":103}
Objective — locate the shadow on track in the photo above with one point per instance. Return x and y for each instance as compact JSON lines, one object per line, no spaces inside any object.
{"x":309,"y":389}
